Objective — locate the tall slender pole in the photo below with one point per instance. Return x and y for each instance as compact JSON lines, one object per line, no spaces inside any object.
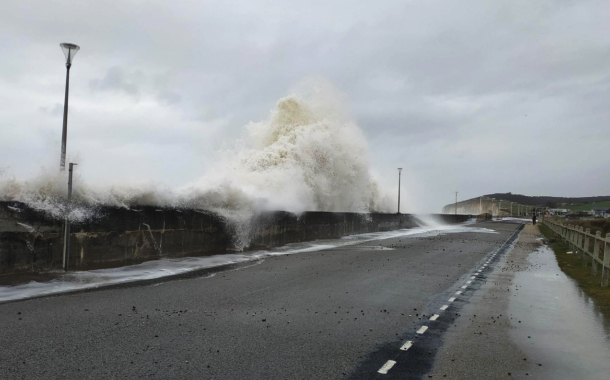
{"x":399,"y":171}
{"x":480,"y":206}
{"x":456,"y":202}
{"x":64,"y":132}
{"x":67,"y":221}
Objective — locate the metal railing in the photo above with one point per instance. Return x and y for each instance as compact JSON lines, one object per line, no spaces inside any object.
{"x":580,"y":241}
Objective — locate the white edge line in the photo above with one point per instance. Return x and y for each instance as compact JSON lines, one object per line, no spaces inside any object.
{"x":386,"y":367}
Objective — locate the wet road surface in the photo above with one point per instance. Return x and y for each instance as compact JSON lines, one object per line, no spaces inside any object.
{"x":527,"y":320}
{"x":313,"y":315}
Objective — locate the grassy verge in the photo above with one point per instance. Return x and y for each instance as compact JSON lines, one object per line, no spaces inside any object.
{"x":572,"y":266}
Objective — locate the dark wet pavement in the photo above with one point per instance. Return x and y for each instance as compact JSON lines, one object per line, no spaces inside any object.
{"x":526,"y":320}
{"x":312,"y":315}
{"x":559,"y":325}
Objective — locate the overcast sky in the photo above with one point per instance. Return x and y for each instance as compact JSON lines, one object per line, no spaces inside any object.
{"x":474,"y":96}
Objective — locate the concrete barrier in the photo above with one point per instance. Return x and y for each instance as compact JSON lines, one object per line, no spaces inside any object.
{"x":31,"y":241}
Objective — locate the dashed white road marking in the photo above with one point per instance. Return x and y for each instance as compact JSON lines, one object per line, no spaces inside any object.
{"x":468,"y":282}
{"x":451,"y":299}
{"x":434,"y":317}
{"x":473,"y":277}
{"x":444,"y":307}
{"x":458,"y":292}
{"x":386,"y":367}
{"x":464,"y":286}
{"x":422,"y":330}
{"x":407,"y":345}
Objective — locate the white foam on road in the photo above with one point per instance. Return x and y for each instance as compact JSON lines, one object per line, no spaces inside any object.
{"x":79,"y":280}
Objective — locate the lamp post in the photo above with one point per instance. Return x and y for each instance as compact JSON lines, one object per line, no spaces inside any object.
{"x":456,"y":202}
{"x":70,"y":51}
{"x":399,"y":171}
{"x":66,"y":256}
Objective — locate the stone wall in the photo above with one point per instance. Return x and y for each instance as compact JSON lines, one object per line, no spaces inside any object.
{"x":32,"y":241}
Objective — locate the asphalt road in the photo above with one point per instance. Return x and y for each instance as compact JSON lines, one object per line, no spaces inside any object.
{"x":333,"y":314}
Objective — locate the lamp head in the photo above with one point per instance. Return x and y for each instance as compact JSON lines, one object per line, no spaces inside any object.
{"x":70,"y":51}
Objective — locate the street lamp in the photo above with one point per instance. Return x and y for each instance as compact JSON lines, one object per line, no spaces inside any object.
{"x":66,"y":257}
{"x":70,"y":51}
{"x":456,"y":193}
{"x":399,"y":171}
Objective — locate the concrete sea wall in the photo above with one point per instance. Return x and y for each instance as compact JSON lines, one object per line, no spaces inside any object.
{"x":32,"y":241}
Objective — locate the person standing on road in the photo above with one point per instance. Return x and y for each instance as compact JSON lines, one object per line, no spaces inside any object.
{"x":534,"y":219}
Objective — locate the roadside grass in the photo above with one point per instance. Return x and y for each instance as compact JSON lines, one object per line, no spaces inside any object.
{"x":572,"y":266}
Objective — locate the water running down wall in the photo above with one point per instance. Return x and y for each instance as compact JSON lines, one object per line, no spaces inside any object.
{"x":31,"y":240}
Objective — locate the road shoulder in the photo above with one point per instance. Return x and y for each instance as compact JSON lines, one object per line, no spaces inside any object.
{"x":479,"y":345}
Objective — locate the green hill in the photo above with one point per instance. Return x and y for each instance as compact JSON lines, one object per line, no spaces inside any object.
{"x":553,"y":202}
{"x":588,"y":206}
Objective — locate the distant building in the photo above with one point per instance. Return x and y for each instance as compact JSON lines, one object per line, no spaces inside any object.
{"x":558,"y":211}
{"x":601,"y":212}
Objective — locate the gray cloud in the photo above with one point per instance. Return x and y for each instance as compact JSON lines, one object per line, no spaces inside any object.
{"x":474,"y":96}
{"x":116,"y":79}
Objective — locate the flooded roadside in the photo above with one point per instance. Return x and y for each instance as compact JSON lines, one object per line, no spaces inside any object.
{"x":556,"y":323}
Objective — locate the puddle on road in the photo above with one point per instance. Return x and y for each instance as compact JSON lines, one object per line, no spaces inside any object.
{"x":569,"y":336}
